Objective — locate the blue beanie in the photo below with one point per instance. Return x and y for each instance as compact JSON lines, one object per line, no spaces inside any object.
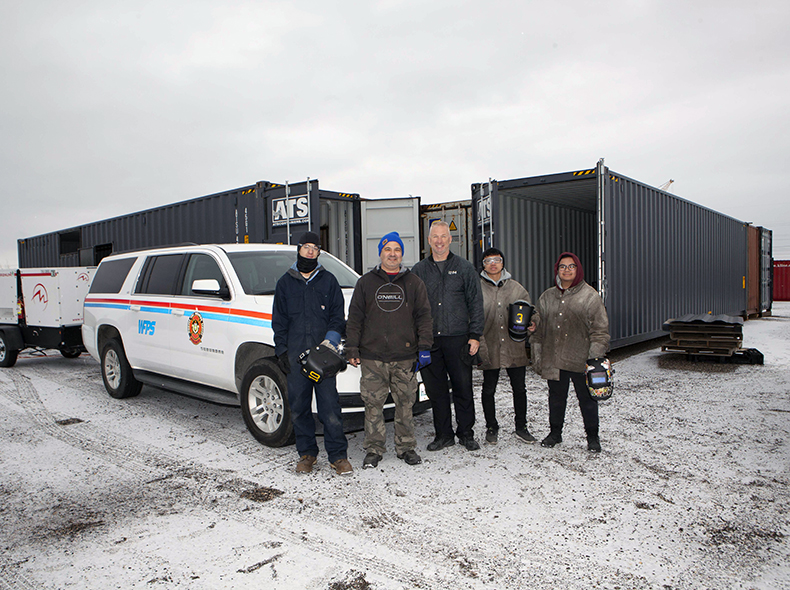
{"x":391,"y":237}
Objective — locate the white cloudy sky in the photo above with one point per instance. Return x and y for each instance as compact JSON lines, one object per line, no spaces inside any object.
{"x":112,"y":107}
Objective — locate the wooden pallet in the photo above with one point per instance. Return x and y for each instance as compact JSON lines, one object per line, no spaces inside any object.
{"x":704,"y":338}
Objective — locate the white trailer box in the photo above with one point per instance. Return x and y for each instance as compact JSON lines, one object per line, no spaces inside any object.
{"x":54,"y":297}
{"x":42,"y":308}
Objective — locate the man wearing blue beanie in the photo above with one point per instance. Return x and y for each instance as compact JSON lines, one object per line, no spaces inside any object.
{"x":391,"y":237}
{"x":389,"y":333}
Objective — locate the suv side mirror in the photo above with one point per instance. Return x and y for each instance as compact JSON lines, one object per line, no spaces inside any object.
{"x":210,"y":287}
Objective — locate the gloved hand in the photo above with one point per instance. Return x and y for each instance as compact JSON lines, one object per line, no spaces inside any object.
{"x":284,"y":363}
{"x":330,"y":346}
{"x":423,"y":360}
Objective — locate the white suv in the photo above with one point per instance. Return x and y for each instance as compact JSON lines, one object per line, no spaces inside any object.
{"x":198,"y":320}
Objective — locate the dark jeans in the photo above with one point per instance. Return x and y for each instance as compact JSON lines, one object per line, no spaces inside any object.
{"x":517,"y":383}
{"x":300,"y":398}
{"x":446,"y":362}
{"x":558,"y":399}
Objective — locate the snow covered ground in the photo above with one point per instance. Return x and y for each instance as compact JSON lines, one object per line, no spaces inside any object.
{"x":162,"y":491}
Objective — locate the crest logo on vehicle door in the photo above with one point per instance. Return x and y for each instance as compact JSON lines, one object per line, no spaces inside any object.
{"x":195,"y":327}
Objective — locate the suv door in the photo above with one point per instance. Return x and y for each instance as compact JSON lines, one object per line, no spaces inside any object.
{"x":148,"y":342}
{"x":202,"y":334}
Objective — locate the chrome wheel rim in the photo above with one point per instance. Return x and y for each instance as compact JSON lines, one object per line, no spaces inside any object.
{"x":112,"y":368}
{"x":266,"y":404}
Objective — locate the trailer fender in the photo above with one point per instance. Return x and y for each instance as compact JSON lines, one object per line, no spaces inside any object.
{"x":13,"y":337}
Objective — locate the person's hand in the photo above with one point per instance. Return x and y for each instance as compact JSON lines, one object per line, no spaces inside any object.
{"x":474,"y":345}
{"x":284,"y":363}
{"x":353,"y":362}
{"x":532,"y":327}
{"x":423,"y":360}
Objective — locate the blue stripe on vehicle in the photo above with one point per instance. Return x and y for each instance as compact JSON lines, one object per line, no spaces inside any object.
{"x":108,"y":305}
{"x":221,"y":317}
{"x":163,"y":310}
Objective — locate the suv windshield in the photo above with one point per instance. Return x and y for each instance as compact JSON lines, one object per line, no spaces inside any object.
{"x":260,"y":271}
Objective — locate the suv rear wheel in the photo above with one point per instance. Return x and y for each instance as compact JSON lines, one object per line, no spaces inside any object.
{"x":264,"y":405}
{"x":116,"y":372}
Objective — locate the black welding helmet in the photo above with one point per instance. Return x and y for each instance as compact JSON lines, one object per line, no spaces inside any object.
{"x":519,"y":314}
{"x":599,"y":378}
{"x":321,"y":362}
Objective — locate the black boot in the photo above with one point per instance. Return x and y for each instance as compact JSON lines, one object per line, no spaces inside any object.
{"x":554,"y":438}
{"x":593,"y":443}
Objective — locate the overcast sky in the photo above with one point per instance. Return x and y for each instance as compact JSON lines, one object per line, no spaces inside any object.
{"x":112,"y":107}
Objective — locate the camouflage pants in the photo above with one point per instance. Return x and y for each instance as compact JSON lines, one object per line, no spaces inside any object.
{"x":378,"y":380}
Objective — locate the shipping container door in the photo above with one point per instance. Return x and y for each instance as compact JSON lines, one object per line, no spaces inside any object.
{"x":382,"y":216}
{"x":458,"y":216}
{"x":339,"y":231}
{"x":766,"y":270}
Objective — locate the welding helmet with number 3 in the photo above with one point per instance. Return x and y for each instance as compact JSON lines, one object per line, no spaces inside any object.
{"x":519,"y":314}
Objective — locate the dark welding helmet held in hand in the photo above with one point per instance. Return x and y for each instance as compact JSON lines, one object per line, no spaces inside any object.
{"x":599,"y":378}
{"x":321,"y":362}
{"x":519,"y":314}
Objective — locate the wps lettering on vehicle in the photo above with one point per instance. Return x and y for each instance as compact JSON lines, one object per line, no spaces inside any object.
{"x":147,"y":327}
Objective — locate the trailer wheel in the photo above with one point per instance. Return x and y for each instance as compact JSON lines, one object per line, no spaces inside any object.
{"x":264,"y":405}
{"x":70,"y":353}
{"x":116,"y":372}
{"x":7,"y":356}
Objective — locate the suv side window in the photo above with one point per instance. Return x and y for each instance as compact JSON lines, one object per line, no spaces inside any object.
{"x":110,"y":275}
{"x":159,"y":274}
{"x":201,"y":266}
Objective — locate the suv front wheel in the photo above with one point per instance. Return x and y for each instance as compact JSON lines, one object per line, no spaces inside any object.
{"x":264,"y":405}
{"x":116,"y":372}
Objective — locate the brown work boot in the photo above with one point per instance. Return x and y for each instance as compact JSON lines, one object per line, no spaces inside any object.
{"x":305,"y":464}
{"x":342,"y":466}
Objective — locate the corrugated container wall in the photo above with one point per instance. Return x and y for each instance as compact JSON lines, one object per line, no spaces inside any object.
{"x":657,"y":256}
{"x":781,"y":280}
{"x":255,"y":213}
{"x":665,"y":257}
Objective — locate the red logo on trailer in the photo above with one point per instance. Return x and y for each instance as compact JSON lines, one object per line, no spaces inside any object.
{"x":83,"y":277}
{"x":40,"y":295}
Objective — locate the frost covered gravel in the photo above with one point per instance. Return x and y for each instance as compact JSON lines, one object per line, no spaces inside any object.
{"x":162,"y":491}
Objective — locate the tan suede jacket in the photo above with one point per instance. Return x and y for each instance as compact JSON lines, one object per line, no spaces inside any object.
{"x":497,"y":350}
{"x":574,"y":327}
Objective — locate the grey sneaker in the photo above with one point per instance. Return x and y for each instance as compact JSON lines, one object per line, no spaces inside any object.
{"x":524,"y":435}
{"x":371,"y":460}
{"x":491,"y":436}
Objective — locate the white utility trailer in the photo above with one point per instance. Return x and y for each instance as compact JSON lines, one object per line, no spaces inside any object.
{"x":41,"y":308}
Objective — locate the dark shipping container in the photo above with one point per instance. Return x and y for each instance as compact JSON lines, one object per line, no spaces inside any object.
{"x":781,"y":280}
{"x":651,"y":255}
{"x":260,"y":213}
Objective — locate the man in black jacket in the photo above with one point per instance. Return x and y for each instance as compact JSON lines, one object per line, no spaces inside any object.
{"x":309,"y":310}
{"x":389,"y":333}
{"x":458,"y":322}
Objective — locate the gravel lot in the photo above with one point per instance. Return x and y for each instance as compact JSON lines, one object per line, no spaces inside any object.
{"x":162,"y":491}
